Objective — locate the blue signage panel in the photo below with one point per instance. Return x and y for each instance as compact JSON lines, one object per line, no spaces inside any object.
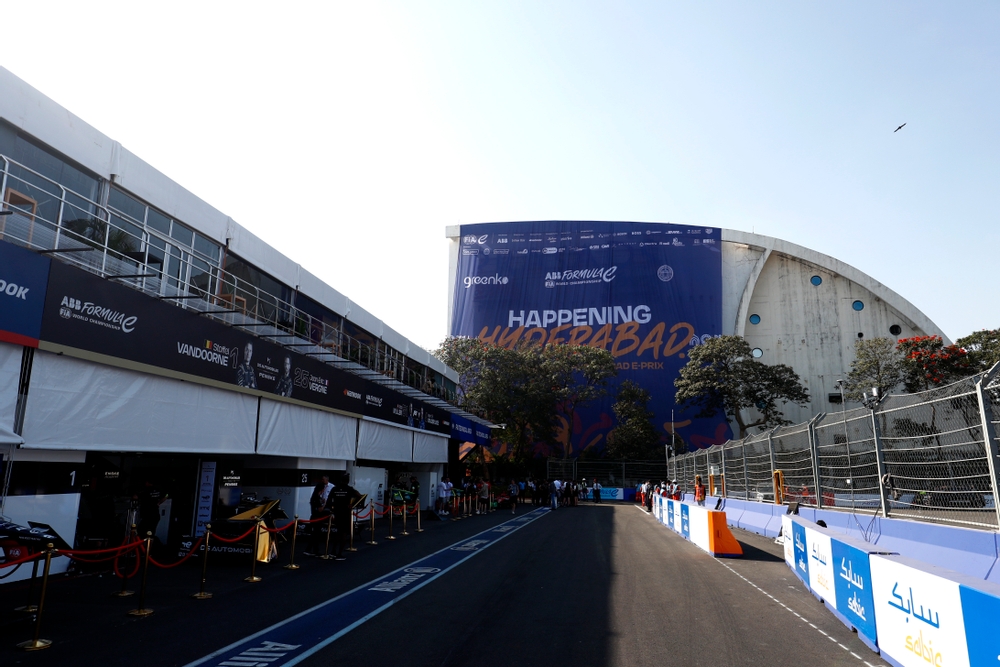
{"x":980,"y":612}
{"x":685,"y":521}
{"x":853,"y":584}
{"x":645,"y":292}
{"x":24,"y":277}
{"x":801,"y":551}
{"x":670,"y":515}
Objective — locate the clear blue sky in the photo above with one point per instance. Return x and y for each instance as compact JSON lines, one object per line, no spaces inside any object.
{"x":349,"y":134}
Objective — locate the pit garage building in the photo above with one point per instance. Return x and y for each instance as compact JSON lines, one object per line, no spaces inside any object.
{"x":148,"y":341}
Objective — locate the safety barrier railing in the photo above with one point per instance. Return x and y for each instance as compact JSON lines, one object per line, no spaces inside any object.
{"x":111,"y":243}
{"x":930,"y":456}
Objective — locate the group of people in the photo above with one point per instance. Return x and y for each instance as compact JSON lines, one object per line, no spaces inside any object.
{"x":479,"y":490}
{"x":336,"y":500}
{"x":646,"y":491}
{"x":567,"y":493}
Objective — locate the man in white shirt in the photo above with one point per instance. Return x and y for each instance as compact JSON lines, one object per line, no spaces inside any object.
{"x":444,"y":494}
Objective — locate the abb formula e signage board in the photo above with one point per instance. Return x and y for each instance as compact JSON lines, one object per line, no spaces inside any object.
{"x":647,"y":293}
{"x":89,"y":313}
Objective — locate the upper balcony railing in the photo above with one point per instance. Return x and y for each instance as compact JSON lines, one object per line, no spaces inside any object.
{"x":111,"y":244}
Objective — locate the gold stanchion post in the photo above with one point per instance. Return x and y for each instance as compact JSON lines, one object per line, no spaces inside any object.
{"x":253,"y":578}
{"x":291,"y":558}
{"x":125,"y":592}
{"x":419,"y":529}
{"x":390,"y":537}
{"x":37,"y":644}
{"x":371,"y":514}
{"x":354,"y":519}
{"x":404,"y":520}
{"x":329,"y":524}
{"x":142,"y":611}
{"x":201,"y":594}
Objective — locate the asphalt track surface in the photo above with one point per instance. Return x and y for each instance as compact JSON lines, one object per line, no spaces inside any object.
{"x":594,"y":585}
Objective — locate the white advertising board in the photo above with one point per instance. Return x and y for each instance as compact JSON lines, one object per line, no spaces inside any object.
{"x":919,"y":615}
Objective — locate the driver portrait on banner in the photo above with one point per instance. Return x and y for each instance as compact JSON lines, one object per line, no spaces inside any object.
{"x":245,"y":377}
{"x":284,"y":387}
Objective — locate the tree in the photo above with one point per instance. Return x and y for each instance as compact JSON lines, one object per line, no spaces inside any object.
{"x":877,"y":363}
{"x":983,"y":348}
{"x":634,"y":438}
{"x":578,"y":375}
{"x":930,"y":363}
{"x":722,"y":374}
{"x":525,"y":386}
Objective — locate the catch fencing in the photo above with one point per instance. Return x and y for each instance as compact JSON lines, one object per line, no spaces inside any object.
{"x":623,"y":474}
{"x":929,"y":456}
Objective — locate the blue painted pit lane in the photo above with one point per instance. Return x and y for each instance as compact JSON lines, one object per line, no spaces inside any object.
{"x":299,"y":636}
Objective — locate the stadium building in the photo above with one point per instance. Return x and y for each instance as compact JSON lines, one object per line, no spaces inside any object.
{"x":648,"y":292}
{"x":150,"y":342}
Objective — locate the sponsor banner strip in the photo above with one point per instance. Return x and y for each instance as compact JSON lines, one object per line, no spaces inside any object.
{"x":300,"y":636}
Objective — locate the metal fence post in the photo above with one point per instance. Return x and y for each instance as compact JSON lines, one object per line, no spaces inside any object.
{"x":989,"y":436}
{"x":774,"y":468}
{"x":880,"y":463}
{"x":723,"y":467}
{"x":746,"y":477}
{"x":814,"y":455}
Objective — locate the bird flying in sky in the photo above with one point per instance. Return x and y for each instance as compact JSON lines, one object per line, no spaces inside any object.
{"x":899,"y":128}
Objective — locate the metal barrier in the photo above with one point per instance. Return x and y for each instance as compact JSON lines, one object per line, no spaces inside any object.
{"x":930,"y":456}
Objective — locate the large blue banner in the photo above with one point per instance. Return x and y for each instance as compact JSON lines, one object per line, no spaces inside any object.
{"x":24,"y":276}
{"x":645,"y":292}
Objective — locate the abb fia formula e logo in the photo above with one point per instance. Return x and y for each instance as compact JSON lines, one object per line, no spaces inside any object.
{"x":472,"y":239}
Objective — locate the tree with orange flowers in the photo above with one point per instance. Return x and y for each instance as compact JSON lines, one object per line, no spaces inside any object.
{"x":930,"y":363}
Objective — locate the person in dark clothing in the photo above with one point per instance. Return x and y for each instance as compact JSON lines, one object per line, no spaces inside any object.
{"x":317,"y":510}
{"x":149,"y":509}
{"x":342,"y":499}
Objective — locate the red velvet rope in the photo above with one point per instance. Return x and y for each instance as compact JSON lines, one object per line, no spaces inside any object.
{"x":279,"y":530}
{"x":234,"y":539}
{"x":192,"y":552}
{"x":119,"y":549}
{"x":115,"y":556}
{"x":26,"y":559}
{"x":135,"y":570}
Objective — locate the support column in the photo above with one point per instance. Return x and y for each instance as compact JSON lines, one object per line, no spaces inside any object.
{"x":990,"y":435}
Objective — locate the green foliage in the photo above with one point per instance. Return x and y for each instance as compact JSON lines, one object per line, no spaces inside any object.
{"x":983,"y":348}
{"x":722,"y":374}
{"x":877,"y":363}
{"x":526,"y":386}
{"x":634,"y":438}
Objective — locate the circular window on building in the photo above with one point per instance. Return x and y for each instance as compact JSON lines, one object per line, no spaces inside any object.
{"x":861,"y":335}
{"x":816,"y":280}
{"x":755,"y":319}
{"x":895,"y":329}
{"x":757,"y":353}
{"x":858,"y":305}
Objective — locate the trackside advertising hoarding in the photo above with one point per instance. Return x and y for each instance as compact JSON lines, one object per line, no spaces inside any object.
{"x":23,"y":278}
{"x":89,"y":313}
{"x":645,"y":292}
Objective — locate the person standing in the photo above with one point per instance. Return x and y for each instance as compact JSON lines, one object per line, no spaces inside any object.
{"x":317,"y":510}
{"x":149,"y":498}
{"x":699,"y":491}
{"x":513,"y":491}
{"x":597,"y":492}
{"x":444,"y":495}
{"x":341,"y":501}
{"x":484,"y":497}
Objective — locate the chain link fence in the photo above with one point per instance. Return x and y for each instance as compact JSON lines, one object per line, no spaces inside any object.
{"x":930,"y":456}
